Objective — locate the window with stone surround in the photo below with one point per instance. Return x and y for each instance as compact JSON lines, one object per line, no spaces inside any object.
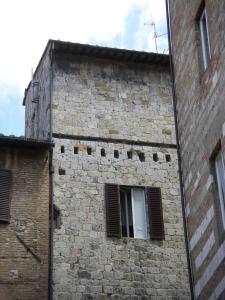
{"x":134,"y":212}
{"x":202,"y":25}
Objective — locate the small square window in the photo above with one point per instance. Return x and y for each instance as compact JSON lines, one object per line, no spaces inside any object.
{"x":204,"y":37}
{"x":75,"y":150}
{"x":220,"y":179}
{"x":89,"y":150}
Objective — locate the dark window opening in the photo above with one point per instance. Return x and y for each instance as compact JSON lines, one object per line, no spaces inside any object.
{"x":62,"y":171}
{"x":75,"y":150}
{"x":103,"y":152}
{"x":155,"y":157}
{"x":141,"y":156}
{"x":89,"y":150}
{"x":168,"y":158}
{"x":62,"y":149}
{"x":116,"y":153}
{"x":57,"y":217}
{"x":129,"y":154}
{"x":126,"y":213}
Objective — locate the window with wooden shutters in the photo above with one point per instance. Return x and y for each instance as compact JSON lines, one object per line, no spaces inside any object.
{"x":130,"y":209}
{"x":5,"y":193}
{"x":155,"y":213}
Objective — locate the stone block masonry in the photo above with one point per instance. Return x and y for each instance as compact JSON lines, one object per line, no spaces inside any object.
{"x":112,"y":123}
{"x":87,"y":264}
{"x":102,"y":98}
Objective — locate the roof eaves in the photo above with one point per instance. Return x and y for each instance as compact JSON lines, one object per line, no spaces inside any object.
{"x":25,"y":142}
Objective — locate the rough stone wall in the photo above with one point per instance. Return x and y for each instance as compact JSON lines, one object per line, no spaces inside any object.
{"x":22,"y":277}
{"x":201,"y":118}
{"x":102,"y":98}
{"x":37,"y":115}
{"x":87,"y":264}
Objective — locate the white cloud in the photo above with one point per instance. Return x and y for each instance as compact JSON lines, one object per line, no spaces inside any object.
{"x":152,"y":12}
{"x":27,"y":25}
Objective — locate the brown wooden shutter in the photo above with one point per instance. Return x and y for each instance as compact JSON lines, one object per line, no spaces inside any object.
{"x":156,"y":225}
{"x":5,"y":192}
{"x":112,"y":200}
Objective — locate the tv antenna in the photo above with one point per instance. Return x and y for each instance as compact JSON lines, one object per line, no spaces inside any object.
{"x":156,"y":35}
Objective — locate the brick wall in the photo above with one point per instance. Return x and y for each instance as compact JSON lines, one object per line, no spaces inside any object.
{"x":22,"y":276}
{"x":201,"y":117}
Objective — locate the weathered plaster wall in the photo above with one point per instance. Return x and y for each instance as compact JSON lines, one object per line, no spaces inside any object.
{"x":102,"y":98}
{"x":87,"y":264}
{"x":201,"y":118}
{"x":22,"y":277}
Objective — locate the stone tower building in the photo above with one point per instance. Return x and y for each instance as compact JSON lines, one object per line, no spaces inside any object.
{"x":118,"y":230}
{"x":197,"y":34}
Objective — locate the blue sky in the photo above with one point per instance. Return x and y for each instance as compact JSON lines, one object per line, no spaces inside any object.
{"x":26,"y":29}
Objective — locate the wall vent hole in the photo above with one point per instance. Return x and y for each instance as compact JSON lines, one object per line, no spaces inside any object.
{"x":129,"y":154}
{"x":89,"y":150}
{"x":62,"y":171}
{"x":168,"y":158}
{"x":116,"y":153}
{"x":75,"y":150}
{"x":141,"y":156}
{"x":57,"y":217}
{"x":62,"y":149}
{"x":155,"y":157}
{"x":103,"y":152}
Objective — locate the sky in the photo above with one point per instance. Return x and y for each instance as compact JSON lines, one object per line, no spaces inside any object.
{"x":27,"y":25}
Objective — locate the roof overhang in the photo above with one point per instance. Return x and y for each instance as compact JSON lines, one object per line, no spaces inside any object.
{"x":12,"y":141}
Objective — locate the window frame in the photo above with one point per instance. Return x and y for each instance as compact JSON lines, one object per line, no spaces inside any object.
{"x":153,"y":200}
{"x":125,"y":211}
{"x":220,"y":159}
{"x":204,"y":38}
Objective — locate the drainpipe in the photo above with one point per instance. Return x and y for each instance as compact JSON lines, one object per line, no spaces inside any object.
{"x":51,"y":171}
{"x":178,"y":150}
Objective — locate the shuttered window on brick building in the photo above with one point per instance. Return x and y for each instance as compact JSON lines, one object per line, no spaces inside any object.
{"x":5,"y":194}
{"x":134,"y":212}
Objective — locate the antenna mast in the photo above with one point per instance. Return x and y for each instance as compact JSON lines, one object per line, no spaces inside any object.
{"x":156,"y":35}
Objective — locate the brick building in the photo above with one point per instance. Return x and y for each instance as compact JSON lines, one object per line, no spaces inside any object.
{"x":197,"y":35}
{"x":118,"y":222}
{"x":24,"y":218}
